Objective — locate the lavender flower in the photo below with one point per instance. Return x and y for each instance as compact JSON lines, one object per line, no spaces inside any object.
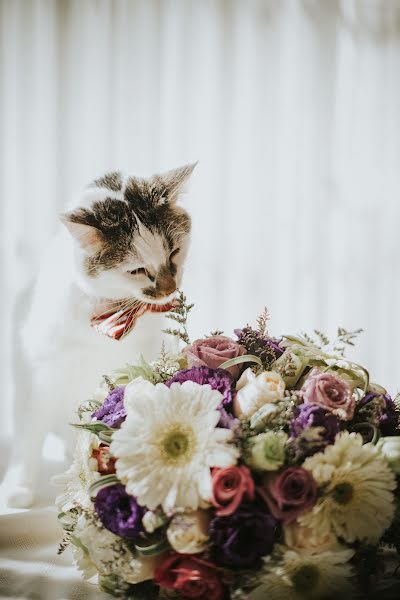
{"x":112,"y":411}
{"x":241,"y":539}
{"x":119,"y":512}
{"x":312,"y":415}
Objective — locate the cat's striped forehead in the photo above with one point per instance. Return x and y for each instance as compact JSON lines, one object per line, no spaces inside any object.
{"x":136,"y":219}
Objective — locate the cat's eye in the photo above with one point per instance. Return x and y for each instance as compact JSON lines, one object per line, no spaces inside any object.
{"x":174,"y":253}
{"x":141,"y":271}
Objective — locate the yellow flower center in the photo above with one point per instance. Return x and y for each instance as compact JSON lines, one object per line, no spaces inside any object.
{"x":342,"y":493}
{"x":177,"y":444}
{"x":305,"y":578}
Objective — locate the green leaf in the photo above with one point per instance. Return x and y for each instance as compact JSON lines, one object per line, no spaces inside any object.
{"x":94,"y":427}
{"x":241,"y":359}
{"x":103,"y":482}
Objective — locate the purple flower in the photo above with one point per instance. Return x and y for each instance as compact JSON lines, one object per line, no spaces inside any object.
{"x":228,"y":421}
{"x":312,"y":415}
{"x":218,"y":379}
{"x":382,"y":411}
{"x":241,"y":539}
{"x":119,"y":512}
{"x":112,"y":411}
{"x":266,"y":341}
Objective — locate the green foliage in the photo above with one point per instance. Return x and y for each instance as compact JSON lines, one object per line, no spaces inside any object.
{"x":345,"y":338}
{"x":215,"y":333}
{"x":68,"y":522}
{"x":88,"y":407}
{"x":131,"y":372}
{"x":167,"y":364}
{"x":262,"y":321}
{"x":94,"y":427}
{"x":179,"y":314}
{"x":254,"y":342}
{"x":338,"y":346}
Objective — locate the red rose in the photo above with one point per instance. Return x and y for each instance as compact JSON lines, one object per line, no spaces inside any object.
{"x":191,"y":577}
{"x":105,"y":462}
{"x":230,"y":486}
{"x":290,"y":494}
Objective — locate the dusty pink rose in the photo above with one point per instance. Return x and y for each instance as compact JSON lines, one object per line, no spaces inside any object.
{"x":213,"y":352}
{"x":230,"y":486}
{"x":290,"y":493}
{"x":331,"y":393}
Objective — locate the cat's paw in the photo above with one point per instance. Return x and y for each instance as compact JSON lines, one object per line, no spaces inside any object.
{"x":20,"y":497}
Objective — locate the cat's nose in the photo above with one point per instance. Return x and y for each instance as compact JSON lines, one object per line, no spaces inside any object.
{"x":168,"y":287}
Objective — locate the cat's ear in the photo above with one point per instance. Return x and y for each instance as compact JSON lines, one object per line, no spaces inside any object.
{"x":90,"y":238}
{"x":172,"y":182}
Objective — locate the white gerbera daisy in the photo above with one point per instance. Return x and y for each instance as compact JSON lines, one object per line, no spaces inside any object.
{"x":77,"y":480}
{"x":302,"y":576}
{"x":168,"y":443}
{"x":357,"y":501}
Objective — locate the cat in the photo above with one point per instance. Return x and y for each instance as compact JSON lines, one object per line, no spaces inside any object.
{"x":126,"y":239}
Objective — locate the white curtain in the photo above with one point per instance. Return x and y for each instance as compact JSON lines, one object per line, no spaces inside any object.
{"x":291,"y":108}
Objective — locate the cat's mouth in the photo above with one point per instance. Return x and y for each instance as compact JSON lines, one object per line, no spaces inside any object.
{"x":160,"y":301}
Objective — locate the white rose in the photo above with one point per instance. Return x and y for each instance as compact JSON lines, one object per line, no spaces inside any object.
{"x":253,"y":392}
{"x":390,"y":448}
{"x":152,"y":521}
{"x":188,"y":532}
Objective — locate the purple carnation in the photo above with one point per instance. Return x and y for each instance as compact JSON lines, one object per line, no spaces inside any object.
{"x":218,"y":379}
{"x":241,"y":539}
{"x":119,"y":512}
{"x":384,"y":411}
{"x":312,"y":415}
{"x":112,"y":412}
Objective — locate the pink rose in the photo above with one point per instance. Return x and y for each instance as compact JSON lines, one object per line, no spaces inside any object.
{"x":290,"y":494}
{"x":229,"y":487}
{"x":330,"y":392}
{"x":213,"y":352}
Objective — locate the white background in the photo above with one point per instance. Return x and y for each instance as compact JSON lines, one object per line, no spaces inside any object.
{"x":292,"y":109}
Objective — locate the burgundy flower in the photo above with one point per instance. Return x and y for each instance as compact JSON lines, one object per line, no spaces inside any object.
{"x":290,"y":493}
{"x":191,"y":577}
{"x":330,"y":392}
{"x":213,"y":352}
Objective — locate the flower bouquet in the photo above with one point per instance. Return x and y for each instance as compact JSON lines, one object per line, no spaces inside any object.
{"x":239,"y":469}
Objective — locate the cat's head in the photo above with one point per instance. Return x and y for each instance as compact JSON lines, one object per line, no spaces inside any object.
{"x":131,"y":236}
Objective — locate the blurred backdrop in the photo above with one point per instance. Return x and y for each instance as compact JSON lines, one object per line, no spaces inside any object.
{"x":291,"y":107}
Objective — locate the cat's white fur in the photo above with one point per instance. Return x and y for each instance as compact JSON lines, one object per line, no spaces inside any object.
{"x":62,"y":357}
